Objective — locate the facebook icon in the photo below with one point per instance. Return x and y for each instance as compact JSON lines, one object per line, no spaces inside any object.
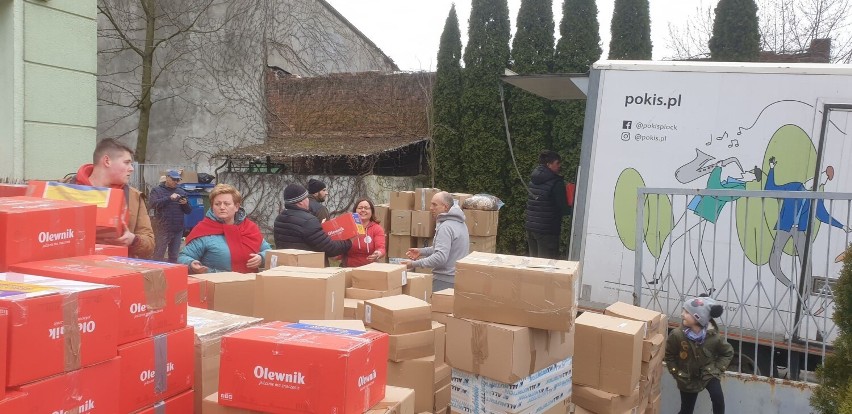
{"x":626,"y":124}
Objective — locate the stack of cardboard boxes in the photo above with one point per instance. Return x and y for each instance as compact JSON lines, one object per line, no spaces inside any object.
{"x":619,"y":360}
{"x":155,"y":345}
{"x":510,"y":338}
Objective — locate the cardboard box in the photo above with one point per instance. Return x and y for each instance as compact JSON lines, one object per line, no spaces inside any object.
{"x":343,"y":227}
{"x":111,"y":206}
{"x":398,"y":246}
{"x":397,"y":314}
{"x":603,"y":402}
{"x":402,"y":200}
{"x":294,"y":293}
{"x":228,"y":292}
{"x":654,"y":406}
{"x":422,"y":224}
{"x":650,"y":317}
{"x":364,"y":294}
{"x":423,"y":198}
{"x":351,"y":362}
{"x":516,"y":290}
{"x":110,"y":250}
{"x":89,"y":389}
{"x":195,"y":297}
{"x":486,"y":244}
{"x":534,"y":394}
{"x":153,"y":294}
{"x":647,"y":368}
{"x":38,"y":229}
{"x":651,"y":347}
{"x":209,"y":327}
{"x":294,"y":257}
{"x":350,"y":308}
{"x":442,"y":398}
{"x":664,"y":325}
{"x":13,"y":190}
{"x":460,"y":197}
{"x":502,"y":352}
{"x":147,"y":377}
{"x":420,"y":375}
{"x":210,"y":405}
{"x":56,"y":325}
{"x":442,"y":301}
{"x":440,"y":317}
{"x":4,"y":346}
{"x":411,"y":345}
{"x":401,"y":222}
{"x":481,"y":222}
{"x":419,"y":285}
{"x":440,"y":331}
{"x":379,"y":276}
{"x":181,"y":404}
{"x":609,"y":353}
{"x":397,"y":401}
{"x":382,"y":215}
{"x":561,"y":407}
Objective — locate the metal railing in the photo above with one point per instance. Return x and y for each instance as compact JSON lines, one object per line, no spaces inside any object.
{"x":769,"y":257}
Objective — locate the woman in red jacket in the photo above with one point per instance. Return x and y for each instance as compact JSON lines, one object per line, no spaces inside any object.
{"x":370,"y":247}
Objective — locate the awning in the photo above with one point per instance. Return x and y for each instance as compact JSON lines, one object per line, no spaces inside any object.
{"x":556,"y":87}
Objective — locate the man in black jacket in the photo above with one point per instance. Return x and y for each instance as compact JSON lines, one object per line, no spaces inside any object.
{"x":297,"y":228}
{"x":546,"y":204}
{"x":170,"y":204}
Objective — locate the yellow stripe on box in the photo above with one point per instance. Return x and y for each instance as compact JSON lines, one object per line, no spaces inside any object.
{"x":97,"y":197}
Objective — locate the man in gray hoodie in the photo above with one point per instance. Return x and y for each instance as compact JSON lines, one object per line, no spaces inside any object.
{"x":451,"y":243}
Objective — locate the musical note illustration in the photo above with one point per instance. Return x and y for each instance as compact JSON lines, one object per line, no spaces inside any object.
{"x":734,"y":143}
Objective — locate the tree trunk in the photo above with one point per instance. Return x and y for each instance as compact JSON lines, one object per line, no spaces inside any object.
{"x":147,"y":67}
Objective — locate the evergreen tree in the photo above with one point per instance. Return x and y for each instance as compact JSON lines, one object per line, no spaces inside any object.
{"x":446,"y":104}
{"x":579,"y":46}
{"x":834,"y":393}
{"x":531,"y":116}
{"x":736,"y":35}
{"x":486,"y":56}
{"x":631,"y":31}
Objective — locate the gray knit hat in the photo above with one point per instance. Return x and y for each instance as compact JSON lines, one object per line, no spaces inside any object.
{"x":703,"y":309}
{"x":294,"y":193}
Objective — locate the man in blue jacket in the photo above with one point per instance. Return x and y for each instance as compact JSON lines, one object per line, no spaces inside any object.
{"x":170,"y":205}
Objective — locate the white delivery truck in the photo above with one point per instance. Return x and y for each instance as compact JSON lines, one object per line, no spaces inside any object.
{"x":731,"y":179}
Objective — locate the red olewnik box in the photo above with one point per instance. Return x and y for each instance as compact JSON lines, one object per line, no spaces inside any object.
{"x":89,"y":390}
{"x":153,"y":294}
{"x":13,"y":190}
{"x":157,"y":368}
{"x":39,"y":229}
{"x":4,"y":334}
{"x":280,"y":367}
{"x":110,"y":250}
{"x":56,"y":325}
{"x":110,"y":202}
{"x":182,"y":404}
{"x":344,"y":227}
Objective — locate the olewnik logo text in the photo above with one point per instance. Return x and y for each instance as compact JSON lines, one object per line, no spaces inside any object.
{"x":85,"y":407}
{"x":283,"y":378}
{"x":45,"y":237}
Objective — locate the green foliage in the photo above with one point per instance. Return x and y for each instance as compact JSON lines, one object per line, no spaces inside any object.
{"x":446,"y":104}
{"x":486,"y":56}
{"x":579,"y":46}
{"x":531,"y":117}
{"x":833,"y":395}
{"x":631,"y":31}
{"x":736,"y":35}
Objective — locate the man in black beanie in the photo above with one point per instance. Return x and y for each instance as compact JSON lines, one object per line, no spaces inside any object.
{"x":297,"y":228}
{"x":317,"y":194}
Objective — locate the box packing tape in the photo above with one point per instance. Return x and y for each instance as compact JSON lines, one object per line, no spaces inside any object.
{"x":71,"y":327}
{"x":161,"y":355}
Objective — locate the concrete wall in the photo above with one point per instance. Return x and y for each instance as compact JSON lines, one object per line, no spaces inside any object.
{"x":212,"y":96}
{"x":48,"y":62}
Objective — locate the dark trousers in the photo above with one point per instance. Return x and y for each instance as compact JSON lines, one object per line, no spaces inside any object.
{"x":543,"y":245}
{"x":167,"y":240}
{"x":714,"y":388}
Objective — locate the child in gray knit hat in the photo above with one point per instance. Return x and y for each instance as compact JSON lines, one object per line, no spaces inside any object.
{"x":697,"y":355}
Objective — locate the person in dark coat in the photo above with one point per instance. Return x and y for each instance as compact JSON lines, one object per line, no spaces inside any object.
{"x":547,"y":202}
{"x":297,"y":228}
{"x":317,"y":194}
{"x":170,"y":205}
